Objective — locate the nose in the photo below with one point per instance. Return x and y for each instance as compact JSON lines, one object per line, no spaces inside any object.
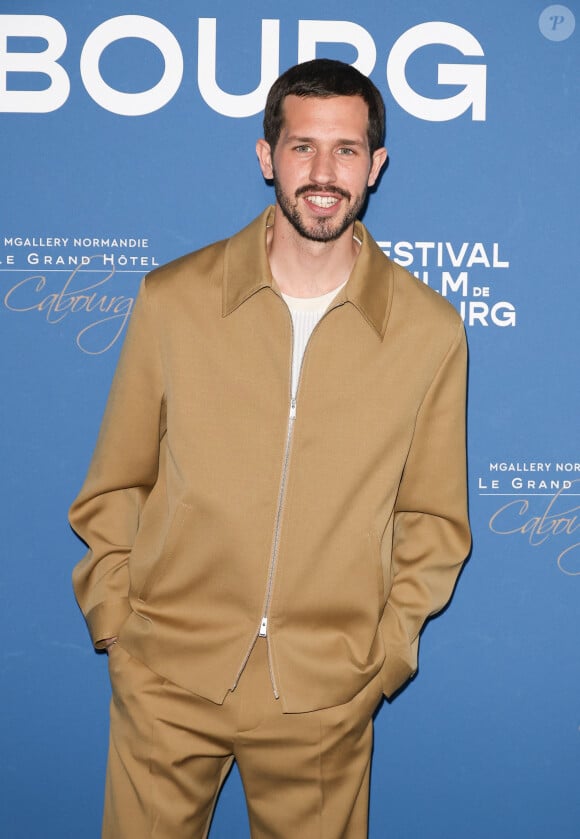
{"x":322,"y":168}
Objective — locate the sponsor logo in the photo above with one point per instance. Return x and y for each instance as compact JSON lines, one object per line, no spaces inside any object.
{"x":540,"y":503}
{"x":86,"y":281}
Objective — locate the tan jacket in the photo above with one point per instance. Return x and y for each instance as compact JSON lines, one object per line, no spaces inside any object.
{"x":210,"y":511}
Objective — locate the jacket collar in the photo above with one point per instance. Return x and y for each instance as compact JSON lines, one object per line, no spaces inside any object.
{"x":247,"y":271}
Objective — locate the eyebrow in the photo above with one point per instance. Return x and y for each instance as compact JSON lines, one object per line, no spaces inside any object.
{"x":294,"y":138}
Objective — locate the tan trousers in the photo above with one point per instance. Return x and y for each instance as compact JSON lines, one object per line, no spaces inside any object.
{"x":305,"y":776}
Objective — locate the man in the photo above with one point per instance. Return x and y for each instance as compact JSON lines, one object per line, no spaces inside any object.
{"x":277,"y":499}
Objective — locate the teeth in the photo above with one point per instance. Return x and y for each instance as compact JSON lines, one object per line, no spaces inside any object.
{"x":322,"y":200}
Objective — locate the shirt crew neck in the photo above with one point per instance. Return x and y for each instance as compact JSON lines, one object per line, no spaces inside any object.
{"x":312,"y":304}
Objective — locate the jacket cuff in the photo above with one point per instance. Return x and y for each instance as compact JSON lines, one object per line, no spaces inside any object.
{"x":106,"y":619}
{"x":396,"y":670}
{"x":400,"y":653}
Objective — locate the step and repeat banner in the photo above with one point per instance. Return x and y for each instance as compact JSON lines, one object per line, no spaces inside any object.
{"x":127,"y":134}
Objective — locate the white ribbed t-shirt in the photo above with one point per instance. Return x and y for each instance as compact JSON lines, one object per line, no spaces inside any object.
{"x":306,"y":312}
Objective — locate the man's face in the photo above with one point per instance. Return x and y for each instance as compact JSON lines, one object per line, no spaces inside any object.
{"x":321,"y":165}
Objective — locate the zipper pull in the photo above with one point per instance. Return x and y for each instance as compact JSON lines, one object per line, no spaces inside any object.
{"x":263,"y":628}
{"x":293,"y":408}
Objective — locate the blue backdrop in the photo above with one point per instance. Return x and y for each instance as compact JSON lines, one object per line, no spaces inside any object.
{"x":127,"y":132}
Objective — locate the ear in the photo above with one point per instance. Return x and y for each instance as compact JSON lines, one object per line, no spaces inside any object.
{"x":377,"y":162}
{"x":265,"y":159}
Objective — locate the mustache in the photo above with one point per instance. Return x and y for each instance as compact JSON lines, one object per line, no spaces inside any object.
{"x":332,"y":190}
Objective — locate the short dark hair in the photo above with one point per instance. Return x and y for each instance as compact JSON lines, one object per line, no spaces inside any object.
{"x":324,"y":78}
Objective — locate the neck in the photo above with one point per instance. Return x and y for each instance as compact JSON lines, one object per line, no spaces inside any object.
{"x":303,"y":268}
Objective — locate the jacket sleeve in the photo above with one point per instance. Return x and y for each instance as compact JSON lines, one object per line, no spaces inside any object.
{"x":122,"y":473}
{"x":431,"y":536}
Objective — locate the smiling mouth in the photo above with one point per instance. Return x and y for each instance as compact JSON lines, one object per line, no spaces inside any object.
{"x":323,"y":197}
{"x":324,"y":201}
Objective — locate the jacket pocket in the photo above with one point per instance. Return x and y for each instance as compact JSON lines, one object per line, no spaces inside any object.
{"x":377,"y":567}
{"x":168,"y":551}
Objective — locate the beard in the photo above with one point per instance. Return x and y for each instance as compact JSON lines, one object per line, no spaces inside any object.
{"x":323,"y":229}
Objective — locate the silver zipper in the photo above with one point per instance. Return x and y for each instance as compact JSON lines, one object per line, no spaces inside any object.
{"x":263,"y":628}
{"x":278,"y":521}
